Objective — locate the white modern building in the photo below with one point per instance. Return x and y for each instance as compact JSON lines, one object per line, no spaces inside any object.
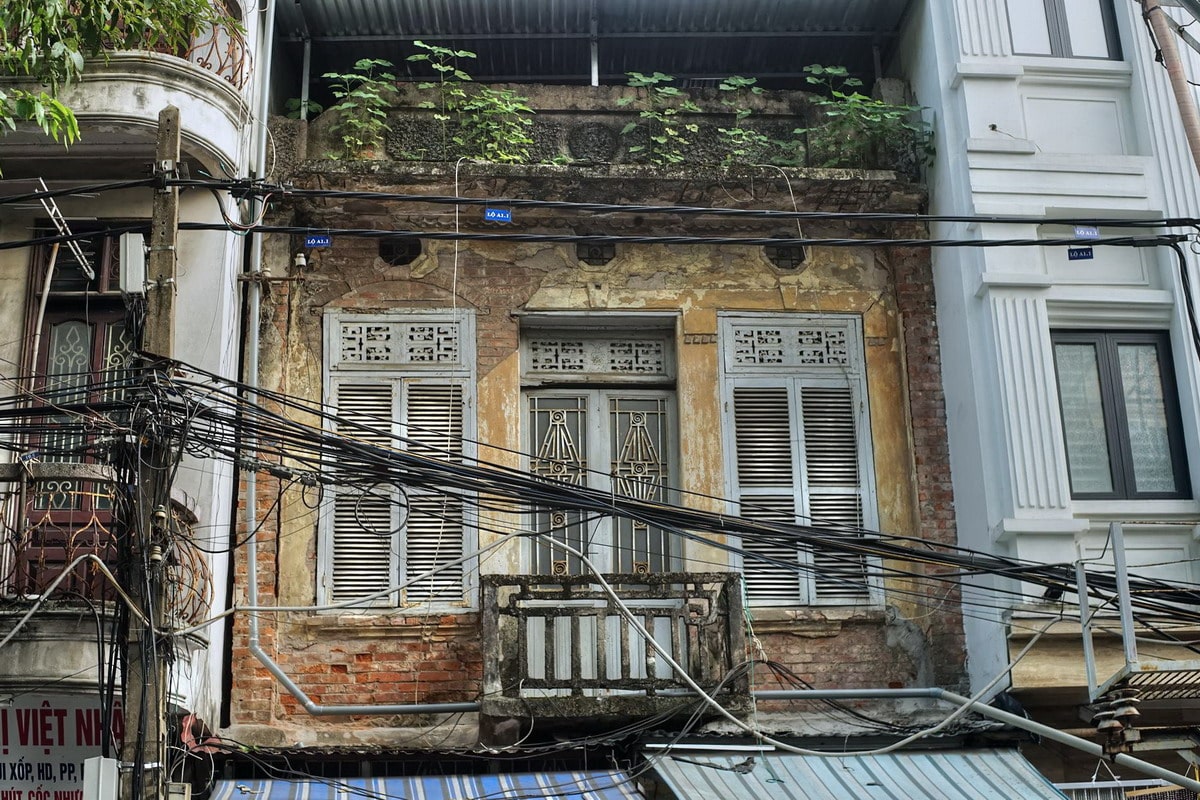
{"x":1072,"y":383}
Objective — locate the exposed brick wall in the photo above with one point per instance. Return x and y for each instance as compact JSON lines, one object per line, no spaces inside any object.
{"x":913,"y":275}
{"x":409,"y":657}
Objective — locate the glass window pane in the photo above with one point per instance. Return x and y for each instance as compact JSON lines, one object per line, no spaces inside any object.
{"x":1027,"y":21}
{"x":1145,"y":408}
{"x":1085,"y":28}
{"x":558,"y":447}
{"x":117,"y":370}
{"x":68,"y":274}
{"x":1083,"y":418}
{"x":638,"y":445}
{"x":68,"y":361}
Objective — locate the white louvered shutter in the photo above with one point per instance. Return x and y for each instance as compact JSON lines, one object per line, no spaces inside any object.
{"x":797,"y":459}
{"x":834,"y":488}
{"x":767,"y":489}
{"x":433,"y":529}
{"x":365,"y":521}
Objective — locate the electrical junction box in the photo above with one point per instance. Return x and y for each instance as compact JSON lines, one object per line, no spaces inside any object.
{"x":178,"y":791}
{"x":99,"y":778}
{"x":133,"y":264}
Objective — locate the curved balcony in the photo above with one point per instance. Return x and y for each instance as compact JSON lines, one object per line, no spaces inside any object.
{"x":117,"y":104}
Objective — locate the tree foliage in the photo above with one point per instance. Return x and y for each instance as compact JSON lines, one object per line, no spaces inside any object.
{"x":45,"y":45}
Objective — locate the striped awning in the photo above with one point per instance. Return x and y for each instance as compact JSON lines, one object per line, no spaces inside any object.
{"x":592,"y":785}
{"x":954,"y":775}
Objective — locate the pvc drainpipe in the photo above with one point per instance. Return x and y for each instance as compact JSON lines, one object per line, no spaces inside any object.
{"x":305,"y":68}
{"x":1053,"y":734}
{"x":254,"y":310}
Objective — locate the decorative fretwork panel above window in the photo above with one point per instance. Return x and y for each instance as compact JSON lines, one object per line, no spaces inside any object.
{"x":576,"y":355}
{"x":797,"y":346}
{"x":414,"y":343}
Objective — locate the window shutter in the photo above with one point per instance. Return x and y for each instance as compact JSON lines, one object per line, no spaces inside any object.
{"x":364,"y":523}
{"x":828,"y":491}
{"x":834,"y":487}
{"x":363,"y":536}
{"x":434,"y":525}
{"x":766,"y":483}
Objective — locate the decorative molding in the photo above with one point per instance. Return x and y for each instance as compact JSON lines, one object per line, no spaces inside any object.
{"x":1037,"y":460}
{"x":983,"y":28}
{"x":1001,"y":144}
{"x":53,"y":471}
{"x":985,"y":70}
{"x":1012,"y":280}
{"x":416,"y":341}
{"x":1102,"y":308}
{"x":1007,"y":528}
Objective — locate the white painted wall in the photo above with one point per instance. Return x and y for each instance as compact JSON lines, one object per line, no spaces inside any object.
{"x":1040,"y":137}
{"x":127,"y":94}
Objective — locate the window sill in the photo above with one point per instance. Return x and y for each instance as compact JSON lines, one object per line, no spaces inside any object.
{"x":1182,"y":512}
{"x":1046,"y":69}
{"x":812,"y":621}
{"x":388,"y":623}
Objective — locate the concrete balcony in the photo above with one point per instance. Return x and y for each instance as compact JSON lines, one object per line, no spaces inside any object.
{"x":117,"y":104}
{"x":559,"y":646}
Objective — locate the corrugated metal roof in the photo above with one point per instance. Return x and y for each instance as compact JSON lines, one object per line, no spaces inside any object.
{"x":939,"y":775}
{"x":549,"y":40}
{"x":591,"y":785}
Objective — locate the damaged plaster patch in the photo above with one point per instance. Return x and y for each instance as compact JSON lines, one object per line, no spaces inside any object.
{"x":544,"y":259}
{"x":907,"y":636}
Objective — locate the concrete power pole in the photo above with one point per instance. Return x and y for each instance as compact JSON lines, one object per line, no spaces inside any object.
{"x":143,"y":751}
{"x":1164,"y":36}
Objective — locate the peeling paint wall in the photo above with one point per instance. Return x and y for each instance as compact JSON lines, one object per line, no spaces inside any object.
{"x":409,"y":657}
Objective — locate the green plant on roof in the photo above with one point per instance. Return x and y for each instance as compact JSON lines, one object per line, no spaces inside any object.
{"x":476,"y":121}
{"x":295,"y":108}
{"x":742,"y":144}
{"x":665,"y":128}
{"x":854,"y":130}
{"x":362,"y":106}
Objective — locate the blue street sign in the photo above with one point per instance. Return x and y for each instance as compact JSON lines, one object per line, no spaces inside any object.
{"x":497,"y":215}
{"x":1079,"y":253}
{"x":321,"y":240}
{"x":1087,"y":232}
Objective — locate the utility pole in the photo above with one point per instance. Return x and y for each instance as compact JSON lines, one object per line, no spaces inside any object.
{"x":159,"y":337}
{"x":1164,"y":36}
{"x":143,"y":751}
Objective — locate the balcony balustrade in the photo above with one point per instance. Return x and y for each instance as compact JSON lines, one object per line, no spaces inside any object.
{"x":561,"y":645}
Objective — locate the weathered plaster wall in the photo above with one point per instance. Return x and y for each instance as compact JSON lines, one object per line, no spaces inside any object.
{"x":408,"y":657}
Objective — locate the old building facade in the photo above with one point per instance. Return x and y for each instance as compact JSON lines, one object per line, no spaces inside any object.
{"x":801,"y":383}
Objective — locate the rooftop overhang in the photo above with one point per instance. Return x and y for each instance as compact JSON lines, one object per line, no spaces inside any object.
{"x":562,"y":41}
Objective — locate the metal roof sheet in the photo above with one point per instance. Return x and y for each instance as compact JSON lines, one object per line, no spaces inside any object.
{"x":550,"y":40}
{"x":591,"y":785}
{"x":937,"y":775}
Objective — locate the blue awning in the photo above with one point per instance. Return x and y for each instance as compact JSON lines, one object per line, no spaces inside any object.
{"x":945,"y":775}
{"x":591,"y":785}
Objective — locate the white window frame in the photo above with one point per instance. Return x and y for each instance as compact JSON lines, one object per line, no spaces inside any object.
{"x":401,"y":368}
{"x":795,"y":371}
